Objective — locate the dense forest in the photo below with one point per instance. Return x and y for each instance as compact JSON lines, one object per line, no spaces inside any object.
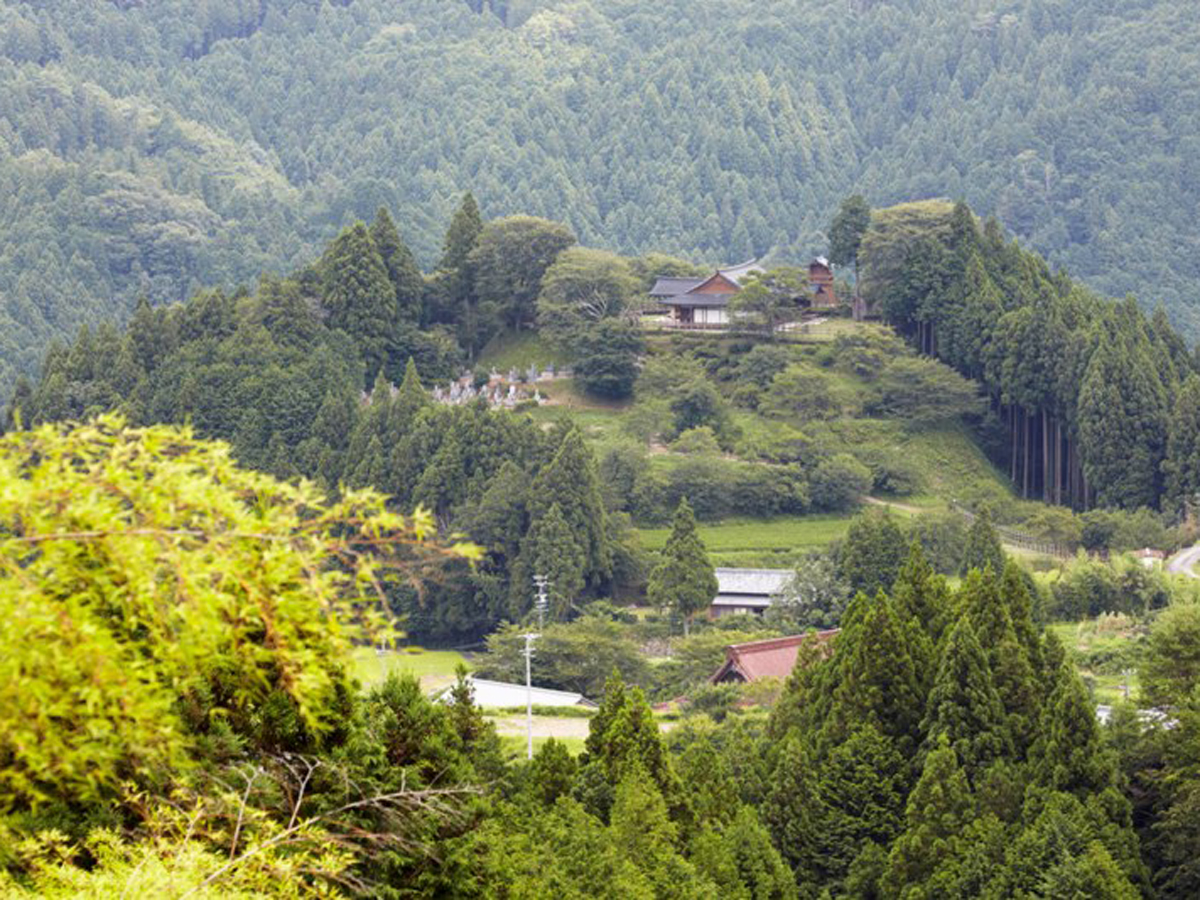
{"x":153,"y":149}
{"x":188,"y":622}
{"x":1097,"y":401}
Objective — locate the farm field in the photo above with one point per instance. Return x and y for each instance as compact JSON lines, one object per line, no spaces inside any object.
{"x":752,"y":542}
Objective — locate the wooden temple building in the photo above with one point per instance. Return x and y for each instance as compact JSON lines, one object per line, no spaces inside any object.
{"x":703,"y":303}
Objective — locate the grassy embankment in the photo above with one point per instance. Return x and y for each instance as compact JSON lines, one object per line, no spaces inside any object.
{"x":944,"y":461}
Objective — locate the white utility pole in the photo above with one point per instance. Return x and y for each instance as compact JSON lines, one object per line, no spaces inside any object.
{"x":543,"y":600}
{"x":529,"y":639}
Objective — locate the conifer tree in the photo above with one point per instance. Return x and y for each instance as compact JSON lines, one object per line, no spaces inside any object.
{"x":793,"y":812}
{"x":644,"y":832}
{"x":684,"y":580}
{"x":1182,"y":464}
{"x":453,"y":288}
{"x":552,"y":772}
{"x":556,"y":554}
{"x":147,"y":335}
{"x":938,"y":811}
{"x":847,"y":230}
{"x":879,"y":682}
{"x":921,"y":594}
{"x":570,"y":480}
{"x":964,"y":705}
{"x":760,"y":866}
{"x":411,"y":397}
{"x":873,"y":553}
{"x":1122,"y":424}
{"x":1015,"y":595}
{"x":1070,"y":754}
{"x":861,"y":785}
{"x":461,"y":237}
{"x":369,"y":472}
{"x":983,"y":546}
{"x":407,"y":282}
{"x":981,"y":602}
{"x":359,"y":296}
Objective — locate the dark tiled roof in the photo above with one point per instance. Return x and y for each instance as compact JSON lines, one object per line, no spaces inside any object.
{"x":670,"y":287}
{"x":739,"y":273}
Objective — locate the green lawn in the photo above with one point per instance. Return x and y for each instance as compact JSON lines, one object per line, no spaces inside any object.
{"x":435,"y":668}
{"x":515,"y":747}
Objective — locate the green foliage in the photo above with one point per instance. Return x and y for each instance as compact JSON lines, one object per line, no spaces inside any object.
{"x":360,"y":295}
{"x":768,"y":299}
{"x":575,"y":656}
{"x":683,"y":581}
{"x":872,"y":554}
{"x":1170,"y":669}
{"x":983,"y":548}
{"x":508,"y":262}
{"x":847,"y":230}
{"x":606,"y":359}
{"x":582,"y":287}
{"x":839,"y":483}
{"x":132,"y":585}
{"x":923,"y":392}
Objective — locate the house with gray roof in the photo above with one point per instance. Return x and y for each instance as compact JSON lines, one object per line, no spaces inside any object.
{"x":702,"y":302}
{"x":747,"y":590}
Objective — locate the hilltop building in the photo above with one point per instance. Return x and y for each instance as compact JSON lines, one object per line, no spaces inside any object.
{"x":703,"y":303}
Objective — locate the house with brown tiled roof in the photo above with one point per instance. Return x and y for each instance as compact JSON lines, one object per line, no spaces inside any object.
{"x":772,"y":658}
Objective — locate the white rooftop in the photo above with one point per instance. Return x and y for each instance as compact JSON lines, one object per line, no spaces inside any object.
{"x":501,"y":695}
{"x":755,"y":582}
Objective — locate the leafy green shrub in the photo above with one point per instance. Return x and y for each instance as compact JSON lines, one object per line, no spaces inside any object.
{"x":700,"y":440}
{"x":714,"y":700}
{"x":839,"y":483}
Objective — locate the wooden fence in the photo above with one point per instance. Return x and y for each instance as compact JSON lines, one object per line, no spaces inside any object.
{"x":1019,"y":539}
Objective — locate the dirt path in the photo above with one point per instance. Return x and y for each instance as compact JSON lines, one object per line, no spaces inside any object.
{"x":543,"y":726}
{"x":1185,"y":561}
{"x":550,"y":726}
{"x":892,"y":504}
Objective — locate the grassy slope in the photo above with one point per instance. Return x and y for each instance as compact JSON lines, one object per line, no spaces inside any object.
{"x":519,"y":349}
{"x":949,"y":464}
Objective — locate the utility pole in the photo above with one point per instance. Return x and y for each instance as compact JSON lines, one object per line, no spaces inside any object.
{"x":529,"y":639}
{"x":543,"y":600}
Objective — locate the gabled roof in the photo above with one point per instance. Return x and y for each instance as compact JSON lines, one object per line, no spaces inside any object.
{"x":691,"y":291}
{"x":759,"y":582}
{"x":773,"y":658}
{"x":671,"y":287}
{"x":739,"y":273}
{"x":501,"y":695}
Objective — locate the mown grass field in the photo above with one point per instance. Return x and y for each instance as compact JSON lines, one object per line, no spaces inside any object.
{"x":435,"y":668}
{"x":751,"y":542}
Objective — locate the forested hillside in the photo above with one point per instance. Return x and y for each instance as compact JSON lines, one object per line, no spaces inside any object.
{"x":155,"y":148}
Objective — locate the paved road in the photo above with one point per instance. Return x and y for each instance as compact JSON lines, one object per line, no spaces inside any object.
{"x":1184,"y":561}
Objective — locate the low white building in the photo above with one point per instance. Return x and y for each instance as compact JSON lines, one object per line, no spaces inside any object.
{"x":502,"y":695}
